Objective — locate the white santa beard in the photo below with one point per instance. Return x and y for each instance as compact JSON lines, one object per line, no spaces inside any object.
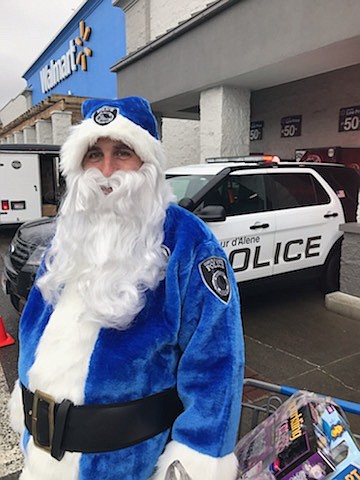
{"x":110,"y":244}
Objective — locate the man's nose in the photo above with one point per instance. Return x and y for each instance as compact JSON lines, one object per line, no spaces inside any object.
{"x":108,"y":166}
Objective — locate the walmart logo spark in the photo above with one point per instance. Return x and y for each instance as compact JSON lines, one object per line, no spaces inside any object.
{"x":58,"y":70}
{"x":84,"y":37}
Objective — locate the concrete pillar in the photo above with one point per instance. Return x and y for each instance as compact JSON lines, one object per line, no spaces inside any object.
{"x":43,"y":132}
{"x":18,"y":137}
{"x":346,"y":301}
{"x":181,"y":141}
{"x":27,"y":94}
{"x":350,"y":259}
{"x":10,"y":138}
{"x":224,"y":122}
{"x":3,"y":140}
{"x":29,"y":134}
{"x":61,"y":123}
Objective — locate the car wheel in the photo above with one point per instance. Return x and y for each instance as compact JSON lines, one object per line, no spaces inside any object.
{"x":330,"y":278}
{"x":15,"y":302}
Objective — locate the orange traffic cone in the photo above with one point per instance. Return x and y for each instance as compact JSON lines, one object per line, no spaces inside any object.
{"x":5,"y":338}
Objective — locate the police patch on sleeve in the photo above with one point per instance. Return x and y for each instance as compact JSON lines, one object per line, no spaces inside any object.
{"x":105,"y":115}
{"x":214,"y":273}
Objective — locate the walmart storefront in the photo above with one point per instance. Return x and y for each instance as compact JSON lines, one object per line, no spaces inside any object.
{"x":75,"y":64}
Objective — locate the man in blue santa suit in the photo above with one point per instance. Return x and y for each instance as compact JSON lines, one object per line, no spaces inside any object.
{"x":131,"y":348}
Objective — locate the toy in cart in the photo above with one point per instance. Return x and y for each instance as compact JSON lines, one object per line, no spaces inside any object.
{"x":307,"y":437}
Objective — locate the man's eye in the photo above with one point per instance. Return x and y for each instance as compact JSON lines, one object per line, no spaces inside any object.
{"x":93,"y":155}
{"x":123,"y":153}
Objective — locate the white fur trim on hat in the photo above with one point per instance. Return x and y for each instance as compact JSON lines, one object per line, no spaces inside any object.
{"x":86,"y":134}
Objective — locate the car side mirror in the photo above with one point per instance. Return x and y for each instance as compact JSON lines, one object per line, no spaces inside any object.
{"x":212,"y":213}
{"x":187,"y":203}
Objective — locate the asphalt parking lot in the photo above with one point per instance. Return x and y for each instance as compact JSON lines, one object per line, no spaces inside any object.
{"x":290,"y":338}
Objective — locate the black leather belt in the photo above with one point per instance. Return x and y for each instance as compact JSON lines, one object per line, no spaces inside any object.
{"x":60,"y":427}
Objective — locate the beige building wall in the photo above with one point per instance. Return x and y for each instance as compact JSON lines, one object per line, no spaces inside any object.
{"x":15,"y":107}
{"x":148,"y":19}
{"x":137,"y":24}
{"x":270,"y":61}
{"x":167,"y":14}
{"x":145,"y":21}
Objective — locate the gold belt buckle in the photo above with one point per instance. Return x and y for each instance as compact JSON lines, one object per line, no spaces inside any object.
{"x":38,"y":395}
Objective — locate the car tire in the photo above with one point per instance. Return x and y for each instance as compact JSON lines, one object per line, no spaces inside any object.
{"x":15,"y":302}
{"x":330,"y":278}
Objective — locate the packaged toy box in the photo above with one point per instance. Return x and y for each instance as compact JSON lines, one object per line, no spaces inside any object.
{"x":306,"y":438}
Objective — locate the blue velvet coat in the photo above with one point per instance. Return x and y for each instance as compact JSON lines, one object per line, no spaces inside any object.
{"x":186,"y":335}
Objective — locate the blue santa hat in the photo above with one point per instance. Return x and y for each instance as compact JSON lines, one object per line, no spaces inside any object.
{"x":127,"y":119}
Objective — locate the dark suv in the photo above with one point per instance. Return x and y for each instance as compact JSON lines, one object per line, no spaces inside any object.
{"x":23,"y":258}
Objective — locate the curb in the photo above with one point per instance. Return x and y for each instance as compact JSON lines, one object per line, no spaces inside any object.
{"x":344,"y":304}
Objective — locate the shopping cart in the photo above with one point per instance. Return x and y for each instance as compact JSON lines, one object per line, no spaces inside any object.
{"x":271,"y":400}
{"x":266,"y":404}
{"x":305,"y":436}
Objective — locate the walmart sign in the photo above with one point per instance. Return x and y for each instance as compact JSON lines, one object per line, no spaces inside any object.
{"x":58,"y":70}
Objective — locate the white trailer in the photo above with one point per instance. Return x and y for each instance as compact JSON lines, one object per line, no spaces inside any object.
{"x":29,"y":182}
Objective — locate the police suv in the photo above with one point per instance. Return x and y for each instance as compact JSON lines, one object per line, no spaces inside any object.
{"x":272,"y":217}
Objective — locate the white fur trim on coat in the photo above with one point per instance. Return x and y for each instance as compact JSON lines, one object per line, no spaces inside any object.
{"x":198,"y":465}
{"x":63,"y":353}
{"x":16,"y":411}
{"x":86,"y":134}
{"x":60,"y":369}
{"x":39,"y":465}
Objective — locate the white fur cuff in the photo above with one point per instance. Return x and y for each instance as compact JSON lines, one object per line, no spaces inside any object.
{"x":198,"y":465}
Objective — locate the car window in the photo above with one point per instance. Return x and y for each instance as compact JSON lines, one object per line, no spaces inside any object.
{"x":300,"y":190}
{"x":187,"y":185}
{"x":238,"y":194}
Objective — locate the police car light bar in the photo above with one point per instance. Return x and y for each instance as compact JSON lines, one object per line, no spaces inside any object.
{"x":245,"y":159}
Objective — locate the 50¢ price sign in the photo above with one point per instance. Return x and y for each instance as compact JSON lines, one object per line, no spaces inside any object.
{"x":349,"y":119}
{"x":291,"y":126}
{"x":256,"y":130}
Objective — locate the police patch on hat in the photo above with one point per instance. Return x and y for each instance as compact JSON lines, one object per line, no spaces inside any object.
{"x":214,"y":273}
{"x":105,"y":115}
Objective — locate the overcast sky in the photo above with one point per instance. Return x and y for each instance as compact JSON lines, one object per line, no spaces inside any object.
{"x":26,"y":29}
